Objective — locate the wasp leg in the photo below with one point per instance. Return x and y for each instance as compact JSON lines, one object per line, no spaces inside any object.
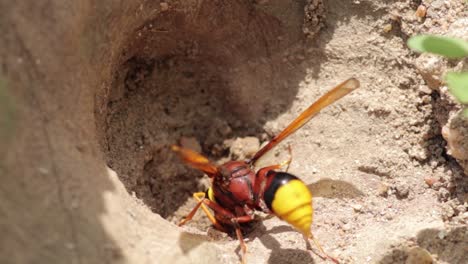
{"x":202,"y":201}
{"x":284,"y":163}
{"x":288,"y":161}
{"x":194,"y":210}
{"x":235,"y":222}
{"x":200,"y":197}
{"x":317,"y":244}
{"x":242,"y":243}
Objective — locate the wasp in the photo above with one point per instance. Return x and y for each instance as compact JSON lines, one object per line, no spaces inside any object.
{"x":237,"y":190}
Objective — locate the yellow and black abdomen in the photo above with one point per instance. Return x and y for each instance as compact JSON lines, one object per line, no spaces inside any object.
{"x":289,"y":199}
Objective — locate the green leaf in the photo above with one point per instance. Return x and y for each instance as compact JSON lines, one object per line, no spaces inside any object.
{"x":457,"y":83}
{"x":445,"y":46}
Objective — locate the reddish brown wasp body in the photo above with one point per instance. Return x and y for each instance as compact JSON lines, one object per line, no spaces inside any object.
{"x":238,"y":191}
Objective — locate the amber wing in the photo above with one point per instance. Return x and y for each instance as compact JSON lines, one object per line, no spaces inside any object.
{"x":196,"y":160}
{"x":330,"y":97}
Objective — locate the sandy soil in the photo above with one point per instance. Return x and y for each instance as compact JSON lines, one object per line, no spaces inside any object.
{"x":223,"y":78}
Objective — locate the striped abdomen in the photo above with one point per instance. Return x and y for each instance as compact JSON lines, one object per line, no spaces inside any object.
{"x":289,"y":199}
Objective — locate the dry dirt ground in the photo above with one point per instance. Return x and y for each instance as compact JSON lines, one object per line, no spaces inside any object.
{"x":93,"y":95}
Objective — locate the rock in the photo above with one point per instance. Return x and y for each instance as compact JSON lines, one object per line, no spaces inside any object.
{"x":402,"y":191}
{"x":418,"y":255}
{"x":437,"y":4}
{"x":382,"y":190}
{"x":421,"y":12}
{"x":357,"y":208}
{"x":389,"y":217}
{"x":424,"y":89}
{"x":243,"y":148}
{"x":447,"y":211}
{"x":456,"y":133}
{"x":164,"y":6}
{"x":442,"y":234}
{"x":431,"y":68}
{"x":430,"y":181}
{"x":387,"y":28}
{"x":346,"y":227}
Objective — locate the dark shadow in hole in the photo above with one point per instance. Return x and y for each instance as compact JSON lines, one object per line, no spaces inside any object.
{"x":435,"y":147}
{"x":328,"y":188}
{"x":449,"y":245}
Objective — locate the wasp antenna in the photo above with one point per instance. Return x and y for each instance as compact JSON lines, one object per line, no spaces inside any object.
{"x":352,"y":83}
{"x":325,"y":100}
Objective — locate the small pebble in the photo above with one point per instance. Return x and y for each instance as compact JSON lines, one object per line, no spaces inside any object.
{"x":447,"y":211}
{"x":425,"y":89}
{"x":164,"y":6}
{"x":421,"y":11}
{"x":418,"y":255}
{"x":70,"y":245}
{"x":402,"y":191}
{"x":346,"y":227}
{"x":442,"y":234}
{"x":387,"y":28}
{"x":43,"y":170}
{"x":382,"y":190}
{"x":242,"y":148}
{"x":430,"y":180}
{"x":357,"y":208}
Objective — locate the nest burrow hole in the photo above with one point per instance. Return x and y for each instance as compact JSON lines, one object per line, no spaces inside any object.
{"x":211,"y":74}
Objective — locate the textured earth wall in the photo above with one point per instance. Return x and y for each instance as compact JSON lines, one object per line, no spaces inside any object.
{"x":92,"y":94}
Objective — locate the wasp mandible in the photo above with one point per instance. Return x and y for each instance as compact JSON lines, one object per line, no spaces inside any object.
{"x":237,"y":191}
